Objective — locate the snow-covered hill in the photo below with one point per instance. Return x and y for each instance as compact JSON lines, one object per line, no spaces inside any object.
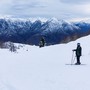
{"x":34,"y":68}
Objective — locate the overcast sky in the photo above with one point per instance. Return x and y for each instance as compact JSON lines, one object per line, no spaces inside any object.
{"x":61,"y":9}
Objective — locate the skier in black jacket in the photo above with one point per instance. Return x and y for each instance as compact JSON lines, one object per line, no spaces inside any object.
{"x":78,"y":51}
{"x":42,"y":42}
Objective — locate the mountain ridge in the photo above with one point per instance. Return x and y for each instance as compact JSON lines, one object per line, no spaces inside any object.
{"x":53,"y":30}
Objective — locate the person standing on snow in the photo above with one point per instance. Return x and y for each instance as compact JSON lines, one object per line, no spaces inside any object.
{"x":78,"y":51}
{"x":42,"y":42}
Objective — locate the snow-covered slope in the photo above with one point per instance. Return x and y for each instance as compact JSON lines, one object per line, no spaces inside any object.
{"x":34,"y":68}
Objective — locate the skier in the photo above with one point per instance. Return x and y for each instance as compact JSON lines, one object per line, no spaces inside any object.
{"x":42,"y":42}
{"x":78,"y":51}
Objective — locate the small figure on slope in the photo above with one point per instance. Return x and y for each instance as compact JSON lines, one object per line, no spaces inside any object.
{"x":42,"y":42}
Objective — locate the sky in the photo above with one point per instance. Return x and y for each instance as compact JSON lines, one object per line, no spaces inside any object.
{"x":61,"y":9}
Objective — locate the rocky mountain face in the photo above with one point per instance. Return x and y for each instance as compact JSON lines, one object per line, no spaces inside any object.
{"x":54,"y":31}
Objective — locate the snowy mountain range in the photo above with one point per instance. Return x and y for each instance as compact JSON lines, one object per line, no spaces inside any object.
{"x":53,"y":30}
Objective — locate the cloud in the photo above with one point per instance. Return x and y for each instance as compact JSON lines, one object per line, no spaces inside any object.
{"x":63,"y":9}
{"x":75,"y":1}
{"x":28,"y":5}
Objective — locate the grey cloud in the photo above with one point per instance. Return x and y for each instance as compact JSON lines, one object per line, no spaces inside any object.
{"x":25,"y":9}
{"x":45,"y":8}
{"x":75,"y":1}
{"x":28,"y":5}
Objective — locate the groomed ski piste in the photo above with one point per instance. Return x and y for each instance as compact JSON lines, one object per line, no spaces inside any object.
{"x":34,"y":68}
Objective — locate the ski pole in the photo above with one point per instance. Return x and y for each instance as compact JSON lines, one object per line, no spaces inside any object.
{"x":72,"y":58}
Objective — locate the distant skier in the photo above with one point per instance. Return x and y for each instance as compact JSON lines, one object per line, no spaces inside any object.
{"x":78,"y":51}
{"x":42,"y":42}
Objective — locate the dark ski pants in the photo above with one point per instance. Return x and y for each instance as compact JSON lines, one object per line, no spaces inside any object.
{"x":78,"y":59}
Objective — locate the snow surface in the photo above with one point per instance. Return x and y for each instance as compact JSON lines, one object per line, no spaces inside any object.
{"x":34,"y":68}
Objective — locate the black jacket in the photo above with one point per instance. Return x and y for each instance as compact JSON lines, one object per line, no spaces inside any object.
{"x":78,"y":51}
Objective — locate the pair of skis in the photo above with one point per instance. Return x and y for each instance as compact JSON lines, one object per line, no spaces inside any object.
{"x":75,"y":64}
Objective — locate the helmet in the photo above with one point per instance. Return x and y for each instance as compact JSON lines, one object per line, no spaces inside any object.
{"x":78,"y":43}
